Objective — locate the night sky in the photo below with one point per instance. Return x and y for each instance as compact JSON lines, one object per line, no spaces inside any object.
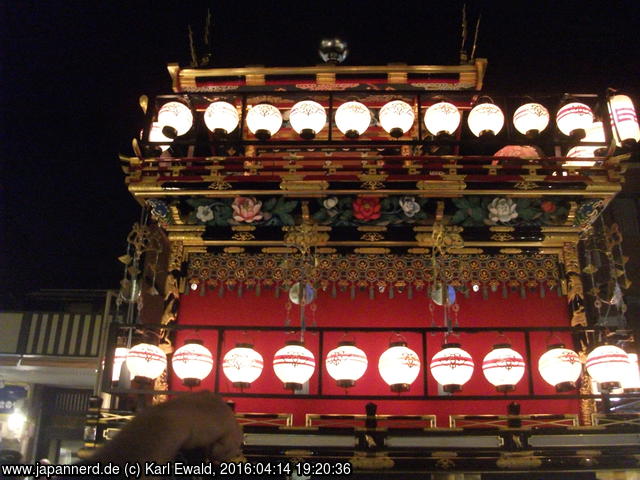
{"x":72,"y":72}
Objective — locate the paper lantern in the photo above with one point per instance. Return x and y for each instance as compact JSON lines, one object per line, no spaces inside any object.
{"x":624,"y":121}
{"x":293,"y":365}
{"x":503,"y":367}
{"x":530,"y":119}
{"x":353,"y":119}
{"x":574,"y":118}
{"x":485,"y":119}
{"x":346,"y":364}
{"x":146,"y":362}
{"x":452,"y":367}
{"x":399,"y":366}
{"x":119,"y":357}
{"x":242,"y":365}
{"x":442,"y":118}
{"x":192,"y":363}
{"x":156,"y":135}
{"x":560,"y":367}
{"x":631,"y":380}
{"x":264,"y":120}
{"x":594,"y":133}
{"x":221,"y":118}
{"x":607,"y":365}
{"x":307,"y":118}
{"x":396,"y":117}
{"x":175,"y":118}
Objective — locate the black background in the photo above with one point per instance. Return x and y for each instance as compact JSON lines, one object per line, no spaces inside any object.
{"x":72,"y":72}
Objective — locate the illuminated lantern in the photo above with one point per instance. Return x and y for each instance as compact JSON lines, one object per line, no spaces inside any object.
{"x":264,"y":120}
{"x":346,"y":364}
{"x":221,"y":118}
{"x":242,"y":365}
{"x":119,"y":357}
{"x":485,"y":119}
{"x":399,"y":366}
{"x":156,"y":135}
{"x":560,"y":367}
{"x":574,"y":118}
{"x":624,"y":121}
{"x":530,"y":119}
{"x":631,"y":381}
{"x":353,"y":119}
{"x":146,"y":362}
{"x":503,"y":367}
{"x":442,"y":118}
{"x":175,"y":118}
{"x":396,"y":117}
{"x":192,"y":363}
{"x":607,"y":365}
{"x":307,"y":118}
{"x":293,"y":365}
{"x":452,"y":367}
{"x":594,"y":133}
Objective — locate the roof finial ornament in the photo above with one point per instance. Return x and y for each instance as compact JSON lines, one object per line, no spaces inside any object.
{"x":206,"y":43}
{"x":333,"y":50}
{"x":463,"y":52}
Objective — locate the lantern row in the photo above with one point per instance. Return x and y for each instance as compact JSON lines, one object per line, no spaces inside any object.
{"x":398,"y":366}
{"x":396,"y":117}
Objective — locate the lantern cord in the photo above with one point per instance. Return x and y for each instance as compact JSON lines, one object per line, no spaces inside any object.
{"x":551,"y":336}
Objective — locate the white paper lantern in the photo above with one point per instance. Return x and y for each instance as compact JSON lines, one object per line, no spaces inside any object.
{"x":607,"y":365}
{"x":242,"y":365}
{"x":624,"y":121}
{"x":531,"y":118}
{"x":631,"y":380}
{"x":353,"y":119}
{"x":452,"y":367}
{"x":221,"y":117}
{"x":399,"y":366}
{"x":175,"y":118}
{"x":594,"y":133}
{"x":293,"y":365}
{"x":156,"y":135}
{"x":264,"y":120}
{"x":307,"y":118}
{"x":192,"y":363}
{"x":146,"y":362}
{"x":485,"y":119}
{"x":442,"y":118}
{"x":396,"y":117}
{"x":503,"y":367}
{"x":560,"y":367}
{"x":574,"y":118}
{"x":119,"y":357}
{"x":346,"y":364}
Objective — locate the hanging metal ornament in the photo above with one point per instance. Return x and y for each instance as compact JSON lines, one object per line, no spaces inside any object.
{"x":436,"y":294}
{"x":300,"y":295}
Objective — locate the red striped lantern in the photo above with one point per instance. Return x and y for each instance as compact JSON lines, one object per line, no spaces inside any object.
{"x":146,"y":362}
{"x":607,"y":365}
{"x":452,"y":367}
{"x":346,"y":364}
{"x":574,"y":118}
{"x":294,"y":364}
{"x":192,"y":363}
{"x":624,"y":121}
{"x":503,"y":367}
